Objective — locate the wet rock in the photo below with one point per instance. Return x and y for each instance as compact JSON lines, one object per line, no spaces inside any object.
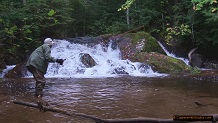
{"x":162,"y":63}
{"x":143,"y":67}
{"x":114,"y":44}
{"x":87,"y":60}
{"x":82,"y":40}
{"x":204,"y":75}
{"x":132,"y":43}
{"x":2,"y":65}
{"x":196,"y":61}
{"x":91,"y":41}
{"x":18,"y":71}
{"x":120,"y":70}
{"x":211,"y":65}
{"x":142,"y":47}
{"x":80,"y":71}
{"x":174,"y":47}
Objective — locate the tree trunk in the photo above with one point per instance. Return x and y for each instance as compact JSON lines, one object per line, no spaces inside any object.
{"x":163,"y":21}
{"x":193,"y":36}
{"x":127,"y":17}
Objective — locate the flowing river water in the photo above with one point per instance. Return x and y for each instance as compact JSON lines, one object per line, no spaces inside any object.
{"x":100,"y":92}
{"x":110,"y":98}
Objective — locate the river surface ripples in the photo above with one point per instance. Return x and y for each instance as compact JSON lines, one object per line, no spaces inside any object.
{"x":110,"y":98}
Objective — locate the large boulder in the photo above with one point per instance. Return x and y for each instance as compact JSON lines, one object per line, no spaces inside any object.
{"x":196,"y":61}
{"x":18,"y":71}
{"x":162,"y":63}
{"x":2,"y":65}
{"x":211,"y":65}
{"x":137,"y":47}
{"x":142,"y":47}
{"x":87,"y":60}
{"x":132,"y":43}
{"x":89,"y":41}
{"x":120,"y":70}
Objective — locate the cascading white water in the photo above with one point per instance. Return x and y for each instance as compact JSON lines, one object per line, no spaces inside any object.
{"x":6,"y":70}
{"x":106,"y":58}
{"x":173,"y":55}
{"x":108,"y":62}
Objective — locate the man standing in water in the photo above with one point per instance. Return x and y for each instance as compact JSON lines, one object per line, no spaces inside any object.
{"x":37,"y":64}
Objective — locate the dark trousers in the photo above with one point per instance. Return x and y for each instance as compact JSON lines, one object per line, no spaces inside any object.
{"x":40,"y":79}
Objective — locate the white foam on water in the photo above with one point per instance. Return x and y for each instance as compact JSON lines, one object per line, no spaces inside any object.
{"x":8,"y":67}
{"x":173,"y":55}
{"x":108,"y":61}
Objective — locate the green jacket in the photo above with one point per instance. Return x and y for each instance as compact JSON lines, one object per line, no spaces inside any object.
{"x":40,"y":58}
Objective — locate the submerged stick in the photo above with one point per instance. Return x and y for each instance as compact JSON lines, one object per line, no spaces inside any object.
{"x":98,"y":120}
{"x":56,"y":110}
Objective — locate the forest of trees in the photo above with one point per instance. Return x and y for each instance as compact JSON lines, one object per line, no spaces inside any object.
{"x":25,"y":23}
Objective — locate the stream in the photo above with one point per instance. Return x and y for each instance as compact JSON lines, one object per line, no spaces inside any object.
{"x":101,"y":92}
{"x":110,"y":98}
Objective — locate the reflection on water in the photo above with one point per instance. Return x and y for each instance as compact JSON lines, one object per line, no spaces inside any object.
{"x":122,"y":97}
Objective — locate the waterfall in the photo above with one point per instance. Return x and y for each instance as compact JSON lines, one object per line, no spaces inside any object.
{"x":9,"y":67}
{"x":173,"y":55}
{"x":108,"y":61}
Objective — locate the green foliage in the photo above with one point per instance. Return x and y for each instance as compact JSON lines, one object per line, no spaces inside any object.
{"x":99,"y":17}
{"x":187,"y":23}
{"x":206,"y":23}
{"x":23,"y":26}
{"x":51,"y":12}
{"x":116,"y":28}
{"x":209,"y":8}
{"x":195,"y":70}
{"x":126,"y":5}
{"x":181,"y":30}
{"x":177,"y":31}
{"x":201,"y":3}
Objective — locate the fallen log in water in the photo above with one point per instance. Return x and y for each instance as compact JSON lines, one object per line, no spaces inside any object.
{"x":128,"y":120}
{"x":58,"y":110}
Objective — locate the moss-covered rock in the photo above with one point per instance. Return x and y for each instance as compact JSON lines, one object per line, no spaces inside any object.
{"x":142,"y":47}
{"x":162,"y":63}
{"x":145,"y":41}
{"x":137,"y":47}
{"x":132,"y":43}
